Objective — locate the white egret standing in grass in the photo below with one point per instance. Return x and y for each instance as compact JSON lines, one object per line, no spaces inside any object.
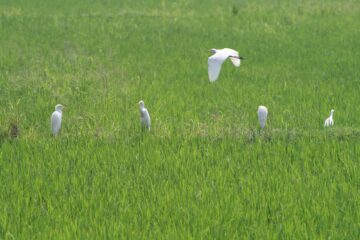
{"x":329,"y":121}
{"x":144,"y":115}
{"x":262,"y":115}
{"x":56,"y":119}
{"x":216,"y":60}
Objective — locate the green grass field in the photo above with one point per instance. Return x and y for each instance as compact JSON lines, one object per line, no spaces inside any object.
{"x":205,"y":170}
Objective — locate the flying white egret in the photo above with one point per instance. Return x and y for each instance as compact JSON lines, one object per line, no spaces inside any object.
{"x":56,"y":118}
{"x":262,"y":115}
{"x":216,"y":60}
{"x":144,"y":115}
{"x":329,"y":121}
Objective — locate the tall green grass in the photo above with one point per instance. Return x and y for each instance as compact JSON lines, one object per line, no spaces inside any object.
{"x":205,"y":170}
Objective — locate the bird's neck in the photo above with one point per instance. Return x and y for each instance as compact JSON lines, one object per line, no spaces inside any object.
{"x":331,"y":115}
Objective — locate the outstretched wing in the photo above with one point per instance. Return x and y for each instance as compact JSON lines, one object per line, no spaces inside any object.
{"x":235,"y":60}
{"x":214,"y":65}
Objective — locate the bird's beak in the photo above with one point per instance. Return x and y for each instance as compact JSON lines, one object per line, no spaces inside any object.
{"x":242,"y":58}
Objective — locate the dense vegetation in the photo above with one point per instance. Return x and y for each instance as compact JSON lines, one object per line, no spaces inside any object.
{"x":205,"y":170}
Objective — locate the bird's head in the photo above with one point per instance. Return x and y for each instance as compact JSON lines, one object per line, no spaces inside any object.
{"x":213,"y":51}
{"x":141,"y":104}
{"x":332,"y":111}
{"x":59,"y":107}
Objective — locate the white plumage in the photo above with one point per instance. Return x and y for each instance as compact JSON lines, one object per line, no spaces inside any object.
{"x":56,"y":119}
{"x":262,"y":115}
{"x":144,"y":115}
{"x":216,"y":60}
{"x":329,"y":121}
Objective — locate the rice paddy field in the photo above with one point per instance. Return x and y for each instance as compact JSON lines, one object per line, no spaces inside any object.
{"x":205,"y":170}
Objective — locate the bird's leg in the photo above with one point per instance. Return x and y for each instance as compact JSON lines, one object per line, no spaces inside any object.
{"x":237,"y":57}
